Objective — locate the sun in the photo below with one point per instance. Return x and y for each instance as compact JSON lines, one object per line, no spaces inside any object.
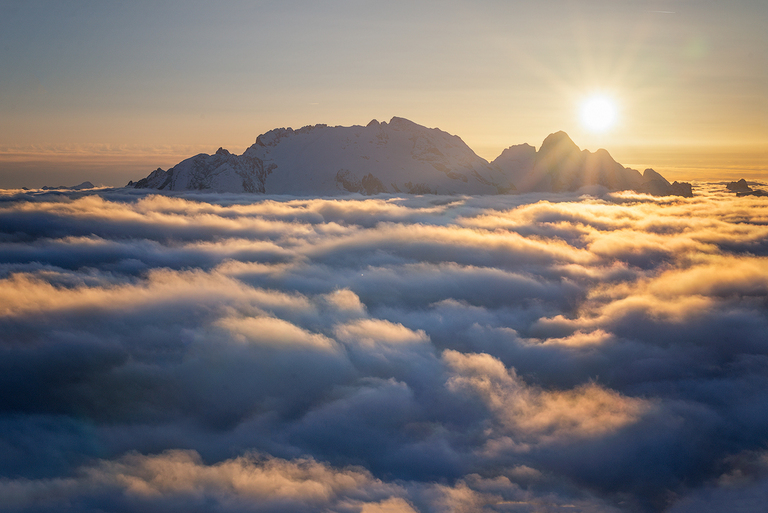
{"x":598,"y":113}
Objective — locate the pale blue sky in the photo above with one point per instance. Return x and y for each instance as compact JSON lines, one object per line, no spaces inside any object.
{"x":155,"y":80}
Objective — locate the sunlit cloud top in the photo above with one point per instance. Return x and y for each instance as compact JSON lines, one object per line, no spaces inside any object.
{"x":416,"y":353}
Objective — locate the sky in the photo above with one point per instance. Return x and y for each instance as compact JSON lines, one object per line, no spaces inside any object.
{"x":108,"y":91}
{"x":188,"y":351}
{"x":395,"y":354}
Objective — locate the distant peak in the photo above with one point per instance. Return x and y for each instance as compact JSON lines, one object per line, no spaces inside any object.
{"x":222,"y":151}
{"x":373,"y":123}
{"x":649,"y":174}
{"x":558,"y":136}
{"x":272,"y":137}
{"x":558,"y":141}
{"x":517,"y":152}
{"x":524,"y":146}
{"x":401,"y":122}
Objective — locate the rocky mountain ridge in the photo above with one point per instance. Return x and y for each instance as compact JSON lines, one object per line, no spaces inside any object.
{"x":742,"y":188}
{"x":78,"y":187}
{"x":399,"y":157}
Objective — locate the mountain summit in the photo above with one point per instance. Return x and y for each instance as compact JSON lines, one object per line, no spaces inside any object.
{"x":560,"y":165}
{"x":396,"y":157}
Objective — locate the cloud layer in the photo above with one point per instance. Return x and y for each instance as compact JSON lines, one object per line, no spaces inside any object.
{"x":433,"y":354}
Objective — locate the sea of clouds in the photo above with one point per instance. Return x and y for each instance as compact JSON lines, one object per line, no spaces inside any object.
{"x":528,"y":353}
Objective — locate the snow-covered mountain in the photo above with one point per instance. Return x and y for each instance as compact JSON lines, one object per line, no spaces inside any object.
{"x":397,"y":157}
{"x":220,"y":172}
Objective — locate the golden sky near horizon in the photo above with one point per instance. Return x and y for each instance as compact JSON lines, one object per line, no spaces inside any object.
{"x":107,"y":91}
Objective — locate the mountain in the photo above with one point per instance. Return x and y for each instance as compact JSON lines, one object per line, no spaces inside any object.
{"x":657,"y":185}
{"x":78,"y":187}
{"x":742,"y":188}
{"x":394,"y":157}
{"x":560,"y":165}
{"x":220,"y":172}
{"x":398,"y":157}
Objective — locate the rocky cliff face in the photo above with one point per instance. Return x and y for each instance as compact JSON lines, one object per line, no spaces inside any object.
{"x":399,"y":157}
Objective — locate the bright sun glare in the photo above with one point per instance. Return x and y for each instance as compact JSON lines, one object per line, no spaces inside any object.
{"x":598,"y":113}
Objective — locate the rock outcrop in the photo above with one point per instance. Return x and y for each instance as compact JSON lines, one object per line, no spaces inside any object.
{"x":742,"y":188}
{"x":657,"y":185}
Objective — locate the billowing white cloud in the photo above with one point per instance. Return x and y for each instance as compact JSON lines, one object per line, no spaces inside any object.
{"x":528,"y":352}
{"x":372,"y":332}
{"x":274,"y":332}
{"x":179,"y":478}
{"x":528,"y":414}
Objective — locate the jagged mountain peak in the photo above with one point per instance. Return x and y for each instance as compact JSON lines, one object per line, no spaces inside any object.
{"x":519,"y":147}
{"x":403,"y":124}
{"x":558,"y":142}
{"x":651,"y":175}
{"x":559,"y":165}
